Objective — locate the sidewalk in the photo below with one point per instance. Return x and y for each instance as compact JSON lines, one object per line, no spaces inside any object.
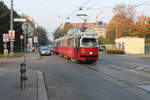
{"x":10,"y":85}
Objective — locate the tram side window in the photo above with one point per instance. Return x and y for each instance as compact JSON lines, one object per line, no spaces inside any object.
{"x":59,"y":43}
{"x":72,"y":42}
{"x":62,"y":43}
{"x":77,"y":42}
{"x":65,"y":42}
{"x":68,"y":42}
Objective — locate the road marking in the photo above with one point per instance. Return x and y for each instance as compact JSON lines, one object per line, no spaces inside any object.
{"x":139,"y":68}
{"x":145,"y":87}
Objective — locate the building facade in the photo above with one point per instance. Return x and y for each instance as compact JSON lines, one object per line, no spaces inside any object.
{"x":99,"y":29}
{"x":131,"y":45}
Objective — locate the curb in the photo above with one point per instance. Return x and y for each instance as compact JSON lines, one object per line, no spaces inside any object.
{"x":41,"y":90}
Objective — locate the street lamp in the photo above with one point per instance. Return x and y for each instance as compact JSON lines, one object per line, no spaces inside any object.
{"x":11,"y":29}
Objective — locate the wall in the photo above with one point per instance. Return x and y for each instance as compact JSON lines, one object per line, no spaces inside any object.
{"x":131,"y":45}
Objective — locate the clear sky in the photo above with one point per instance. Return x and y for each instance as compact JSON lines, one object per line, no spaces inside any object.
{"x":51,"y":13}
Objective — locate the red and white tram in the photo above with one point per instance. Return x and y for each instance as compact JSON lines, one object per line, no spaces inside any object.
{"x":78,"y":45}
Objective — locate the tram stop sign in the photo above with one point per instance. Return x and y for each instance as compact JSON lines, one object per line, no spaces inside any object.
{"x":25,"y":27}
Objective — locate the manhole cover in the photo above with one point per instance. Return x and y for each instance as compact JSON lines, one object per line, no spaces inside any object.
{"x":145,"y":87}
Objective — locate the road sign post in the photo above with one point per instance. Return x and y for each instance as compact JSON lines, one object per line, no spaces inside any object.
{"x":35,"y":42}
{"x":23,"y":78}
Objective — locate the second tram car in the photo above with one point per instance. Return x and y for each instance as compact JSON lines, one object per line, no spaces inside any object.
{"x":79,"y":45}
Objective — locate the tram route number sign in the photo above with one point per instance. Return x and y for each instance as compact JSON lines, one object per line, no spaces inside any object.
{"x":5,"y":38}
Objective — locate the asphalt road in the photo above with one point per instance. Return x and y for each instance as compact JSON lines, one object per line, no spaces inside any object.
{"x":111,"y":78}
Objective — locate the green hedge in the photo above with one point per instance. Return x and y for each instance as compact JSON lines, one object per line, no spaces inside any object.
{"x":115,"y":51}
{"x":14,"y":55}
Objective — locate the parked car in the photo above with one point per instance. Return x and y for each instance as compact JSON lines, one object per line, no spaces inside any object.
{"x":45,"y":51}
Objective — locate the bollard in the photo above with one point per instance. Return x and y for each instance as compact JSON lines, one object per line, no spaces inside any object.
{"x":23,"y":77}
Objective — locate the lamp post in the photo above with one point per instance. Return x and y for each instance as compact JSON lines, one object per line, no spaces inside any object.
{"x":11,"y":28}
{"x":116,"y":29}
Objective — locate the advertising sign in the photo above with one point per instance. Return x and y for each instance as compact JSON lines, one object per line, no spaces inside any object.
{"x":11,"y":34}
{"x":5,"y":38}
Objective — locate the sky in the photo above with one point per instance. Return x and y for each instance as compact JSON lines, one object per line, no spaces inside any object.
{"x":52,"y":13}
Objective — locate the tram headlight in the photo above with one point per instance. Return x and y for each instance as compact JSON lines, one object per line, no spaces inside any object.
{"x":91,"y":53}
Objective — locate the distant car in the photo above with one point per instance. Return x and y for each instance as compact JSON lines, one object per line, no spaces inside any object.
{"x":45,"y":51}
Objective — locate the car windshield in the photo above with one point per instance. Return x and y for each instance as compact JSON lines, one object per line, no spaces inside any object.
{"x":89,"y":42}
{"x":44,"y":49}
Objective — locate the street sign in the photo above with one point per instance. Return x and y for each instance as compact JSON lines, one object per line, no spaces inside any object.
{"x":19,"y":19}
{"x":5,"y":38}
{"x":11,"y":35}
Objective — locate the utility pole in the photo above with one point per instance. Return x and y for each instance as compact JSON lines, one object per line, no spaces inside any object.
{"x":116,"y":29}
{"x":11,"y":28}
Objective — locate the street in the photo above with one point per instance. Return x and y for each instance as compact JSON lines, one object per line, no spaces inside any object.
{"x":74,"y":50}
{"x":111,"y":78}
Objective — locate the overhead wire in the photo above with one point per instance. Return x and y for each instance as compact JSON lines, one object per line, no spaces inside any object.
{"x":86,"y":3}
{"x":61,"y":3}
{"x":78,"y":8}
{"x":142,"y":4}
{"x":92,"y":5}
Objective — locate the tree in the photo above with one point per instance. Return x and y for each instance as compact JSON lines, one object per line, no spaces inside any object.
{"x":124,"y":11}
{"x":61,"y":30}
{"x":121,"y":23}
{"x":147,"y":28}
{"x":141,"y":27}
{"x":42,"y":36}
{"x":5,"y":26}
{"x":124,"y":18}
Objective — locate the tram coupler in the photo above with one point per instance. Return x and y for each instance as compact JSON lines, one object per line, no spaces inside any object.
{"x":23,"y":77}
